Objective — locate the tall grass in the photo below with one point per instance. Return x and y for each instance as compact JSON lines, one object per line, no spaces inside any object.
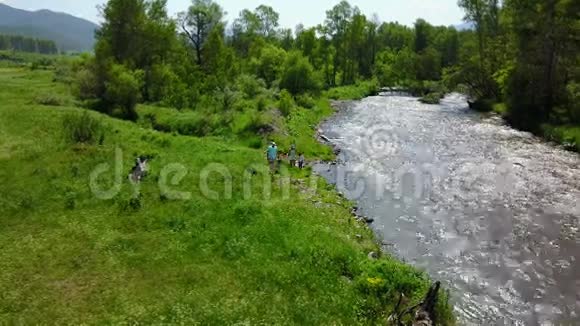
{"x":83,"y":128}
{"x":143,"y":258}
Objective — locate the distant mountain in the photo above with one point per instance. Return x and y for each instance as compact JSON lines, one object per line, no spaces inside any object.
{"x":68,"y":32}
{"x":465,"y":26}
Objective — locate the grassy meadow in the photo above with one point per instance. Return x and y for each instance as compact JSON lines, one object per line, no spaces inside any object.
{"x":145,"y":257}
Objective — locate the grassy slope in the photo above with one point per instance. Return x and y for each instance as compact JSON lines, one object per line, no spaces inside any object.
{"x":67,"y":257}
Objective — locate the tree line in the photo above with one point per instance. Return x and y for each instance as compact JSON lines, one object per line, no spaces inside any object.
{"x":27,"y":44}
{"x":144,"y":55}
{"x":521,"y":52}
{"x":524,"y":53}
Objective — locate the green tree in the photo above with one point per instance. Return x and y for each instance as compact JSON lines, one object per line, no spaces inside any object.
{"x":122,"y":91}
{"x":298,"y":76}
{"x":198,"y":22}
{"x":422,"y":30}
{"x":267,"y":21}
{"x":336,"y":24}
{"x":269,"y":64}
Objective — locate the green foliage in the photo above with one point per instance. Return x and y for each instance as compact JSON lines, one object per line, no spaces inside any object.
{"x":428,"y":65}
{"x":305,"y":101}
{"x":483,"y":105}
{"x":396,"y":68}
{"x":83,"y":128}
{"x":286,"y":103}
{"x":123,"y":91}
{"x":250,"y":86}
{"x":26,"y":44}
{"x":50,"y":99}
{"x":268,"y":66}
{"x":86,"y":84}
{"x":432,"y":98}
{"x":298,"y":76}
{"x":354,"y":92}
{"x":198,"y":23}
{"x":573,"y":106}
{"x":255,"y":251}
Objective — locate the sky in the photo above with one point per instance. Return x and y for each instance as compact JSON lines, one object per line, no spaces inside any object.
{"x":292,"y":12}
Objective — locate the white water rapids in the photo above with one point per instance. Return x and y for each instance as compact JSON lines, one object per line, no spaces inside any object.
{"x":491,"y":211}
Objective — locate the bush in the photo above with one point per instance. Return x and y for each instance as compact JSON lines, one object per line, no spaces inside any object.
{"x":432,"y":98}
{"x":83,"y":128}
{"x":161,"y":81}
{"x":482,"y":105}
{"x":299,"y":77}
{"x":250,"y":87}
{"x":354,"y":92}
{"x":305,"y":101}
{"x":86,"y":84}
{"x":226,"y":98}
{"x":63,"y":72}
{"x":286,"y":103}
{"x":50,"y":100}
{"x":255,"y":142}
{"x":261,"y":103}
{"x":269,"y":64}
{"x":123,"y":91}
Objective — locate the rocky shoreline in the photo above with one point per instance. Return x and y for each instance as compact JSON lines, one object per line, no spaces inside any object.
{"x":339,"y":107}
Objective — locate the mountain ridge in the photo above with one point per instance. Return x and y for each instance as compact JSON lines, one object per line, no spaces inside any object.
{"x":69,"y":32}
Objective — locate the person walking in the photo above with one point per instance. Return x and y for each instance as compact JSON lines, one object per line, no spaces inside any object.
{"x":272,"y":156}
{"x":292,"y":156}
{"x":301,"y":161}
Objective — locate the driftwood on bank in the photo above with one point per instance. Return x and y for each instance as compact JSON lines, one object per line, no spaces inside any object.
{"x":424,"y":312}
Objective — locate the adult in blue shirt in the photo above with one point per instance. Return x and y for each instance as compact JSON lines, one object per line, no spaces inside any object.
{"x":272,"y":155}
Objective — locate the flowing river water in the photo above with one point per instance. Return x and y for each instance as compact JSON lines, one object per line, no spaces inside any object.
{"x":491,"y":211}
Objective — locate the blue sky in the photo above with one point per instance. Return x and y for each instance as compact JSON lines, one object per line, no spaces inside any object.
{"x":308,"y":12}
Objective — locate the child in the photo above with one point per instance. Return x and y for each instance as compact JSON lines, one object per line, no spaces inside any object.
{"x":292,"y":156}
{"x":301,"y":161}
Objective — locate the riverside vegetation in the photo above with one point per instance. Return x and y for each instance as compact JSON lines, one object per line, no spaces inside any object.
{"x":197,"y":91}
{"x":143,"y":257}
{"x":68,"y":257}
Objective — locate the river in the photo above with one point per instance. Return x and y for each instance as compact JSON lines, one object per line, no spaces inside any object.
{"x":491,"y":211}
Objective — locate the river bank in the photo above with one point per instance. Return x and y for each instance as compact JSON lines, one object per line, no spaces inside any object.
{"x":204,"y":238}
{"x":567,"y":136}
{"x":495,"y":217}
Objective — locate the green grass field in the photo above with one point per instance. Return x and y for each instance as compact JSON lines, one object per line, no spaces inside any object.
{"x":67,"y":257}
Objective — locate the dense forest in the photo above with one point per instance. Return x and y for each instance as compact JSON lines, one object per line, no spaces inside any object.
{"x":27,"y":44}
{"x":521,"y":58}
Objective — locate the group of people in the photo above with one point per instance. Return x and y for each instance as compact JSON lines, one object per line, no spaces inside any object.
{"x":275,"y":157}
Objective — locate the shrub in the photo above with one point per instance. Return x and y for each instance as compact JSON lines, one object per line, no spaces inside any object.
{"x":286,"y":103}
{"x":86,"y":84}
{"x":83,"y":128}
{"x":161,"y":81}
{"x":50,"y":100}
{"x":269,"y":64}
{"x":249,"y":86}
{"x":261,"y":103}
{"x":226,"y":98}
{"x":123,"y":91}
{"x":255,"y":142}
{"x":63,"y":72}
{"x":482,"y":105}
{"x":305,"y":101}
{"x":70,"y":201}
{"x":299,"y":77}
{"x":432,"y":98}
